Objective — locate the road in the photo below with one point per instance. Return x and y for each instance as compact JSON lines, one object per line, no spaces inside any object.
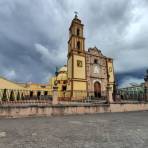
{"x":108,"y":130}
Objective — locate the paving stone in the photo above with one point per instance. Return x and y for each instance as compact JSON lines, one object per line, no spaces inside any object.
{"x":107,"y":130}
{"x":2,"y":134}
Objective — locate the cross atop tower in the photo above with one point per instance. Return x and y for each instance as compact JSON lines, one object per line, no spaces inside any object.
{"x":76,"y":14}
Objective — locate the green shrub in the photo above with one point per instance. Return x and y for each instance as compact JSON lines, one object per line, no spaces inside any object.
{"x":22,"y":96}
{"x":12,"y":98}
{"x":4,"y":98}
{"x":18,"y":96}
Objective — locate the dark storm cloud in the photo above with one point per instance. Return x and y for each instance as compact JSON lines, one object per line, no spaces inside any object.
{"x":34,"y":34}
{"x":22,"y":25}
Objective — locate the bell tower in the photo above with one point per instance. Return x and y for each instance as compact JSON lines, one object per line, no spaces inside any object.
{"x":76,"y":60}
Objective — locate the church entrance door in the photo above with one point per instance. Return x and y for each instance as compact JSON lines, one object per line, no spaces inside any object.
{"x":97,"y":89}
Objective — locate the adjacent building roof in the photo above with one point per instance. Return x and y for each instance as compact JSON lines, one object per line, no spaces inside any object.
{"x":8,"y":84}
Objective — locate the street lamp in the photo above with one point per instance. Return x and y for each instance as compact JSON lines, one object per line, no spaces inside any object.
{"x":146,"y":76}
{"x":146,"y":85}
{"x":55,"y":89}
{"x":56,"y":74}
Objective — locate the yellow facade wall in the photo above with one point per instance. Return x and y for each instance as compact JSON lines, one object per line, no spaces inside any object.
{"x":38,"y":87}
{"x":111,"y":72}
{"x":70,"y":67}
{"x":79,"y":72}
{"x":77,"y":85}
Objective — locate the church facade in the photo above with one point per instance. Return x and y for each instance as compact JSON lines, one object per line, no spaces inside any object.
{"x":99,"y":70}
{"x":88,"y":71}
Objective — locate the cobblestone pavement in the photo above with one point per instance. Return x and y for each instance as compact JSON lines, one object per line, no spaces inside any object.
{"x":108,"y":130}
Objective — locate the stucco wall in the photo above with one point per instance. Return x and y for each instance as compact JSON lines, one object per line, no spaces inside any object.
{"x":25,"y":111}
{"x":69,"y":67}
{"x":79,"y":72}
{"x":110,"y":71}
{"x":79,"y":85}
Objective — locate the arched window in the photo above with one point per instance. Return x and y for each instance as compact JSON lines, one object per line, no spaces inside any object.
{"x":78,"y":45}
{"x":78,"y":32}
{"x":63,"y":88}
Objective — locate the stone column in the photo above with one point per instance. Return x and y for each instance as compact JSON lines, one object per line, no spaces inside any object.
{"x":110,"y":94}
{"x":55,"y":95}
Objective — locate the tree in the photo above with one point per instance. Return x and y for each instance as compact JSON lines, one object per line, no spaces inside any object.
{"x":18,"y":96}
{"x":22,"y":96}
{"x":12,"y":98}
{"x":4,"y":98}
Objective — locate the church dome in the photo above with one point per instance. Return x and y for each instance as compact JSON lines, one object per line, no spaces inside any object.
{"x":63,"y":69}
{"x":62,"y":73}
{"x":62,"y":76}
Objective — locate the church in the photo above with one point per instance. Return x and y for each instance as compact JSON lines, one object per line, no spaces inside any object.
{"x":88,"y":72}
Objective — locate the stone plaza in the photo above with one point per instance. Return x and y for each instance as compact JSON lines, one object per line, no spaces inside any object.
{"x":108,"y":130}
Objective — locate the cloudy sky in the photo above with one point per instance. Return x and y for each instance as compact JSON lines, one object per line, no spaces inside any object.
{"x":34,"y":35}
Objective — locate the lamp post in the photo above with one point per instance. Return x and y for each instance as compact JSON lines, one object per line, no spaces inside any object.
{"x":146,"y":86}
{"x":55,"y":81}
{"x":55,"y":89}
